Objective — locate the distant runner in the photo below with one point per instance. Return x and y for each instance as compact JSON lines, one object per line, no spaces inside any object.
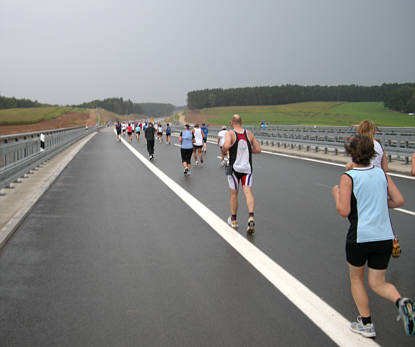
{"x":160,"y":133}
{"x":137,"y":132}
{"x":130,"y":132}
{"x":205,"y":132}
{"x":221,"y":141}
{"x":186,"y":140}
{"x":149,"y":134}
{"x":241,"y":144}
{"x":168,"y":133}
{"x":198,"y":144}
{"x":118,"y":130}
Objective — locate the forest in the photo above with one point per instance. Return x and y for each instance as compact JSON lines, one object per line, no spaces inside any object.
{"x":398,"y":97}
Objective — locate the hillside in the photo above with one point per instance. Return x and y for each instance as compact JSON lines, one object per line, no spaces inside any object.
{"x":306,"y":113}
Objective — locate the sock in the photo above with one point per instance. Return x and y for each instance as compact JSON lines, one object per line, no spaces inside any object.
{"x":233,"y":217}
{"x":366,"y":320}
{"x":251,"y":214}
{"x":397,"y":302}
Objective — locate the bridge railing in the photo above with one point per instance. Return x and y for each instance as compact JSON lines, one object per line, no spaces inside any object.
{"x":398,"y":143}
{"x":20,"y":153}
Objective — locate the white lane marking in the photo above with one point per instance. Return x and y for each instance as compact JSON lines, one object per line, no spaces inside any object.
{"x":324,"y":316}
{"x":404,"y":211}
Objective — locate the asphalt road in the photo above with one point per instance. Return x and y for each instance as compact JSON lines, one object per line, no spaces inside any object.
{"x":110,"y":256}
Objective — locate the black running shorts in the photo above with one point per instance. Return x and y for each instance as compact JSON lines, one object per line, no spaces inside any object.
{"x":194,"y":146}
{"x":376,"y":254}
{"x":186,"y":155}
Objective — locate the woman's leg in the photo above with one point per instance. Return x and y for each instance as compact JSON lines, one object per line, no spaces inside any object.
{"x":378,"y":284}
{"x":358,"y":289}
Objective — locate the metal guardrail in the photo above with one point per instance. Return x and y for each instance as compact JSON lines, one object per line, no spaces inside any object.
{"x":20,"y":153}
{"x":397,"y":142}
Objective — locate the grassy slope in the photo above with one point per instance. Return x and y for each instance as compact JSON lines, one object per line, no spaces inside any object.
{"x":17,"y":116}
{"x":314,"y":113}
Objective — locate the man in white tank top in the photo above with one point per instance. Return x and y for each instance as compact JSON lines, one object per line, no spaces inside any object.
{"x":198,"y":144}
{"x":241,"y":144}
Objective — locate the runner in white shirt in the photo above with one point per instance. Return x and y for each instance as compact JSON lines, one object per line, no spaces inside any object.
{"x":221,"y":141}
{"x":198,"y":145}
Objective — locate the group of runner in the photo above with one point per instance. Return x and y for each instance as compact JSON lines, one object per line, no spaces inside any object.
{"x":364,"y":195}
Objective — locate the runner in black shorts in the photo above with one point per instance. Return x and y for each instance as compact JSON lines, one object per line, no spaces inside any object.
{"x":364,"y":195}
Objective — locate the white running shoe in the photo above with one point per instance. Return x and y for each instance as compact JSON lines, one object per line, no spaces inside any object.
{"x":358,"y":327}
{"x":232,"y":223}
{"x":196,"y":163}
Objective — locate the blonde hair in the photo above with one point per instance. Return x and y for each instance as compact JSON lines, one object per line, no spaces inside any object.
{"x":367,"y":128}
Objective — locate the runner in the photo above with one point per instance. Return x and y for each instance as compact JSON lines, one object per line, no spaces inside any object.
{"x":413,"y":165}
{"x":186,"y":140}
{"x":130,"y":132}
{"x":221,"y":141}
{"x":118,"y":130}
{"x":168,"y":133}
{"x":160,"y":133}
{"x":205,"y":132}
{"x":137,"y":132}
{"x":241,"y":144}
{"x":198,"y":144}
{"x":149,"y":134}
{"x":124,"y":127}
{"x":364,"y":195}
{"x":368,"y":128}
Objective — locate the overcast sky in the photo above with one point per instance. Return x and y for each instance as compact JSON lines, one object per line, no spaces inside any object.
{"x":71,"y":51}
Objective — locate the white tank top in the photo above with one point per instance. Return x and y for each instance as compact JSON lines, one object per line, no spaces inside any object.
{"x":198,"y":137}
{"x":377,"y":159}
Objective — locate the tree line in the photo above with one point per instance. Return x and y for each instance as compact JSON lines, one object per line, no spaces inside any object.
{"x":116,"y":105}
{"x":126,"y":107}
{"x":6,"y":102}
{"x":291,"y":93}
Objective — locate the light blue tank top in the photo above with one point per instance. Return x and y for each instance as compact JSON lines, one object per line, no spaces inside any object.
{"x":187,"y":137}
{"x":370,"y":191}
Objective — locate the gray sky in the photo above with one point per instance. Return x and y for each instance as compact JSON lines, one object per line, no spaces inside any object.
{"x":71,"y":51}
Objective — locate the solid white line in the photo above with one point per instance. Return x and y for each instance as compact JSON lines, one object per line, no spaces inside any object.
{"x":324,"y":316}
{"x":404,"y":211}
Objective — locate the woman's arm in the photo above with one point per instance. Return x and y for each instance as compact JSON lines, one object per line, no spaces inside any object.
{"x":342,"y":195}
{"x":384,"y":163}
{"x":395,"y":198}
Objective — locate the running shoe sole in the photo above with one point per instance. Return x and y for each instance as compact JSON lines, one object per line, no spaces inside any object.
{"x":406,"y":312}
{"x":251,"y":227}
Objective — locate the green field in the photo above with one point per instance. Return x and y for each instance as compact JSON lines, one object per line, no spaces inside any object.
{"x":16,"y":116}
{"x":314,"y":113}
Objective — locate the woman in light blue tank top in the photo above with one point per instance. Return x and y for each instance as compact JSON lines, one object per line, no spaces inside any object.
{"x":364,"y":195}
{"x":186,"y":140}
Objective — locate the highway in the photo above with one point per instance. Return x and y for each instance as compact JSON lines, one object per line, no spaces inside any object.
{"x":112,"y":256}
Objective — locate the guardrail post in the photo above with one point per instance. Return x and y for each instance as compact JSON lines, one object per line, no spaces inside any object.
{"x":336,"y":151}
{"x":308,"y":148}
{"x":406,"y":160}
{"x":285,"y":145}
{"x":389,"y":158}
{"x":292,"y":146}
{"x":300,"y":147}
{"x":316,"y":149}
{"x":325,"y":150}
